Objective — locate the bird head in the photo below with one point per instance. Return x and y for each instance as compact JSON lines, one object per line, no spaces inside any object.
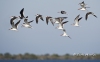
{"x":37,"y":15}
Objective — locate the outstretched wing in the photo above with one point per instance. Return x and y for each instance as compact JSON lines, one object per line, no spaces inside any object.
{"x":12,"y":20}
{"x":76,"y":17}
{"x":80,"y":19}
{"x":64,"y":22}
{"x":30,"y":21}
{"x":47,"y":20}
{"x":86,"y":16}
{"x":37,"y":17}
{"x":41,"y":17}
{"x":21,"y":12}
{"x":16,"y":25}
{"x":52,"y":21}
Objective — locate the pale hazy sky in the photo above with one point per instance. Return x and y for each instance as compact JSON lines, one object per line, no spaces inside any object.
{"x":45,"y":38}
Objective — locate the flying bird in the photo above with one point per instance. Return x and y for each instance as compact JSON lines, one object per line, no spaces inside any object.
{"x":76,"y":20}
{"x":14,"y":26}
{"x":38,"y":16}
{"x":82,"y":4}
{"x":62,"y":12}
{"x":88,"y":13}
{"x":22,"y":14}
{"x":65,"y":34}
{"x":26,"y":23}
{"x":49,"y":18}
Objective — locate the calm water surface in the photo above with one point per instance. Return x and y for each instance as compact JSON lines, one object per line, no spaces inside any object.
{"x":49,"y":60}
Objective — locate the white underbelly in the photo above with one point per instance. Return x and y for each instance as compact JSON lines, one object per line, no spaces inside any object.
{"x":83,"y":9}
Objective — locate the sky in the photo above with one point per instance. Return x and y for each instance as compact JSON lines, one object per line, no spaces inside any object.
{"x":45,"y":38}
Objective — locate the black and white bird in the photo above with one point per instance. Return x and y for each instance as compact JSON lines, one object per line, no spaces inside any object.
{"x":76,"y":21}
{"x":65,"y":34}
{"x":22,"y":14}
{"x":88,"y":13}
{"x":82,"y":4}
{"x":38,"y":16}
{"x":14,"y":26}
{"x":61,"y":25}
{"x":49,"y":18}
{"x":26,"y":23}
{"x":62,"y":12}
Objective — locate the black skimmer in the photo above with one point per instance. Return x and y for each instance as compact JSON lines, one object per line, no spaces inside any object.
{"x":14,"y":26}
{"x":62,"y":12}
{"x":37,"y":17}
{"x":82,"y":4}
{"x":22,"y":14}
{"x":61,"y":25}
{"x":49,"y":18}
{"x":76,"y":20}
{"x":65,"y":34}
{"x":27,"y":24}
{"x":88,"y":13}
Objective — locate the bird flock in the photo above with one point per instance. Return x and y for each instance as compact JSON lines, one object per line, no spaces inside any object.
{"x":57,"y":20}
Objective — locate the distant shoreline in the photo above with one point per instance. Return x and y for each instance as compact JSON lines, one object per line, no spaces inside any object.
{"x":28,"y":56}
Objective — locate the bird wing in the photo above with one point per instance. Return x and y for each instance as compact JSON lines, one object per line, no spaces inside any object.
{"x":64,"y":22}
{"x":37,"y":19}
{"x":12,"y":20}
{"x":52,"y":21}
{"x":47,"y":20}
{"x":16,"y":25}
{"x":95,"y":16}
{"x":63,"y":17}
{"x":30,"y":21}
{"x":80,"y":19}
{"x":77,"y":22}
{"x":41,"y":18}
{"x":21,"y":12}
{"x":86,"y":16}
{"x":76,"y":17}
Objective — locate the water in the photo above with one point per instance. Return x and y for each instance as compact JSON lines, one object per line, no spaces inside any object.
{"x":49,"y":60}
